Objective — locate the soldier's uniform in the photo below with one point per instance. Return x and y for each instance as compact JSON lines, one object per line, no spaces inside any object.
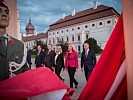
{"x":13,"y":55}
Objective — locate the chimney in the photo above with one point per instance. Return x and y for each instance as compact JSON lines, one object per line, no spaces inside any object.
{"x":63,"y":15}
{"x":73,"y":12}
{"x":94,"y":5}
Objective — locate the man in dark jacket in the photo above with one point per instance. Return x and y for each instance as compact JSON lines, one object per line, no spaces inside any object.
{"x":29,"y":58}
{"x":88,"y":60}
{"x":40,"y":56}
{"x":12,"y":51}
{"x":50,"y":57}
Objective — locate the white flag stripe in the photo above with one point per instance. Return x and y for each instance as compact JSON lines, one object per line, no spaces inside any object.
{"x":54,"y":95}
{"x":120,"y":75}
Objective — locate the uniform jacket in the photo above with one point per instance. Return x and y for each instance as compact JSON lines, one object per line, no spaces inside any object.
{"x":14,"y":53}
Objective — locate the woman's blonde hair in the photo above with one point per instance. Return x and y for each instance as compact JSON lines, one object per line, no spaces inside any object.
{"x":72,"y":45}
{"x":60,"y":48}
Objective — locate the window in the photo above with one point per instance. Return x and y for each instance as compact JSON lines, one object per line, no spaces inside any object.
{"x":62,"y":39}
{"x":57,"y":32}
{"x":79,"y":48}
{"x":73,"y":38}
{"x":67,"y":39}
{"x":86,"y":26}
{"x":78,"y":37}
{"x":87,"y":36}
{"x":61,"y":31}
{"x":66,"y":30}
{"x":72,"y":29}
{"x":53,"y":40}
{"x":108,"y":22}
{"x":49,"y":41}
{"x":93,"y":25}
{"x":53,"y":33}
{"x":78,"y":28}
{"x":100,"y":23}
{"x":58,"y":40}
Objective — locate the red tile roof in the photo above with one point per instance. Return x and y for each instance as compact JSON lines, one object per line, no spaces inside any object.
{"x":34,"y":37}
{"x":86,"y":15}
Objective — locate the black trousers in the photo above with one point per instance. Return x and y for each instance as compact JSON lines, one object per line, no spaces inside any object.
{"x":58,"y":71}
{"x":71,"y":72}
{"x":38,"y":65}
{"x":87,"y":72}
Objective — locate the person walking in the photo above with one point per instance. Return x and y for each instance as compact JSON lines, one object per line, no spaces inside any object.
{"x":39,"y":60}
{"x":59,"y":61}
{"x":71,"y":64}
{"x":88,"y":60}
{"x":50,"y":58}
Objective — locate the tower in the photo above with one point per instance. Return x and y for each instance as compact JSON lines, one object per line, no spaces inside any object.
{"x":30,"y":28}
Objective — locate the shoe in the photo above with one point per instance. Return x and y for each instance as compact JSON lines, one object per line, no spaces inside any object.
{"x":76,"y":85}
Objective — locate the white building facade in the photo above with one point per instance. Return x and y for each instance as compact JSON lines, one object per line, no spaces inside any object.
{"x":96,"y":23}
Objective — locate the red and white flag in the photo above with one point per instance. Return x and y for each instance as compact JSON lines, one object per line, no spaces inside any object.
{"x":37,"y":84}
{"x":108,"y":79}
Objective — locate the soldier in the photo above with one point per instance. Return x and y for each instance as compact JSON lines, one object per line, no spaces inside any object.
{"x":12,"y":51}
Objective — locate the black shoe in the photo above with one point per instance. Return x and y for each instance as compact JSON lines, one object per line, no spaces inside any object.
{"x":76,"y":85}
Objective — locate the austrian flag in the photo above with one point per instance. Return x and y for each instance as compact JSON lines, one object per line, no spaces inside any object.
{"x":108,"y":79}
{"x":37,"y":84}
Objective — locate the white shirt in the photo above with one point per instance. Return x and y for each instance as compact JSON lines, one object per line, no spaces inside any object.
{"x":56,"y":57}
{"x":86,"y":52}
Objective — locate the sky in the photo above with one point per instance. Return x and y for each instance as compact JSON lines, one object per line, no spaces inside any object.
{"x":45,"y":12}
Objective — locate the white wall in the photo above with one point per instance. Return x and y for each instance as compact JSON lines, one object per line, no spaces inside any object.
{"x":100,"y":29}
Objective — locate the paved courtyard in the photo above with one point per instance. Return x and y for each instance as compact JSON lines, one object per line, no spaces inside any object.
{"x":79,"y":76}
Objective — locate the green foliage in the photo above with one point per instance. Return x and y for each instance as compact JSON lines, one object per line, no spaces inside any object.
{"x":42,"y":44}
{"x":64,"y":46}
{"x":93,"y":45}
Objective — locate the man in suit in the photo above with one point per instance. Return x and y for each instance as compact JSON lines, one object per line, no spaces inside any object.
{"x":40,"y":56}
{"x":29,"y":58}
{"x":88,"y":60}
{"x":50,"y":57}
{"x":12,"y":51}
{"x":59,"y":61}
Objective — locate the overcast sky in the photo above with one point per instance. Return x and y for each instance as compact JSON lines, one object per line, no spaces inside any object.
{"x":45,"y":12}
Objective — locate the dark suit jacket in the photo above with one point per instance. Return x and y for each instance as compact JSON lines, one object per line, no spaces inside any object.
{"x":60,"y":61}
{"x":29,"y":57}
{"x":15,"y":53}
{"x":39,"y":60}
{"x":49,"y":59}
{"x":88,"y":61}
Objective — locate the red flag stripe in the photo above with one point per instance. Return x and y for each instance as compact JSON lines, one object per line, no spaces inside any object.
{"x":119,"y":77}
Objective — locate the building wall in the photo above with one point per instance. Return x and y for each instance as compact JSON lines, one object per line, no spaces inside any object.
{"x":100,"y":29}
{"x":31,"y":44}
{"x":12,"y":29}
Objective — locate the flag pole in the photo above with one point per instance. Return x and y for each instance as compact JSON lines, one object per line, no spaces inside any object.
{"x":128,"y":35}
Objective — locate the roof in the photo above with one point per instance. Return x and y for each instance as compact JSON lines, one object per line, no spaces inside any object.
{"x":34,"y":37}
{"x":83,"y":16}
{"x":30,"y":26}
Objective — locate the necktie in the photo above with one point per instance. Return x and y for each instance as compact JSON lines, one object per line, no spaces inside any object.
{"x":86,"y":54}
{"x":2,"y":45}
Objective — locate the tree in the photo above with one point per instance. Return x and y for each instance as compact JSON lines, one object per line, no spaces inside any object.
{"x":41,"y":43}
{"x":93,"y":45}
{"x":64,"y":46}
